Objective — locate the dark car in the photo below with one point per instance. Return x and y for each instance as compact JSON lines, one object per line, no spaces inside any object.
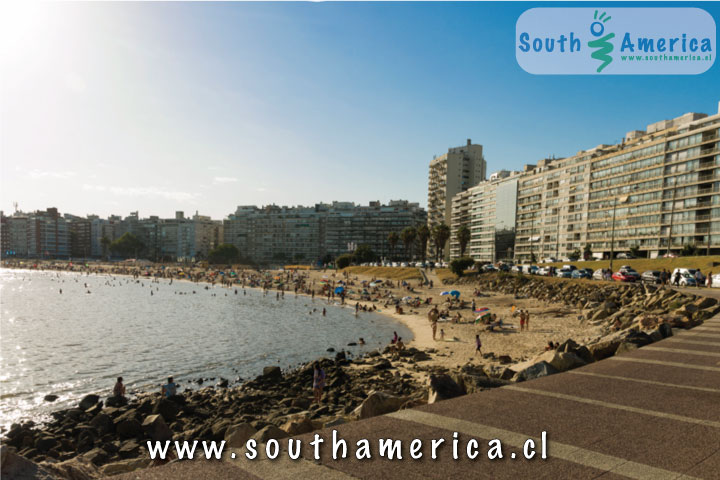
{"x":582,"y":273}
{"x":651,"y":276}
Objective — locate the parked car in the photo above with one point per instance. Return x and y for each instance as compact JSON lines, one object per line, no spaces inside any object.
{"x":690,"y":272}
{"x":626,"y":256}
{"x":651,"y":276}
{"x":545,"y":271}
{"x":488,"y":267}
{"x":516,"y":269}
{"x":504,"y":267}
{"x":626,"y":274}
{"x":715,"y":281}
{"x":598,"y":274}
{"x":564,"y":272}
{"x":582,"y":273}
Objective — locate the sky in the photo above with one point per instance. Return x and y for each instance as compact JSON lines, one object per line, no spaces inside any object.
{"x":108,"y":108}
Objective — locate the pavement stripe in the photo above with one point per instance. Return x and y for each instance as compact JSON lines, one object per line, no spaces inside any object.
{"x":570,"y":453}
{"x":700,"y":334}
{"x":283,"y":468}
{"x":682,"y":350}
{"x":713,"y":328}
{"x":661,"y":362}
{"x":693,"y":342}
{"x":640,"y":380}
{"x":616,"y":406}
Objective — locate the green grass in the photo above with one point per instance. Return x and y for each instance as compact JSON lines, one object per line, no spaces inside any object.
{"x":390,"y":273}
{"x":705,"y":263}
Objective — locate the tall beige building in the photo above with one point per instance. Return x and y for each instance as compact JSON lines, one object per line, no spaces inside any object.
{"x":451,"y":173}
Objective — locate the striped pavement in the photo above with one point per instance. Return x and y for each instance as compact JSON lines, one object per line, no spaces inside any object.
{"x":653,"y":413}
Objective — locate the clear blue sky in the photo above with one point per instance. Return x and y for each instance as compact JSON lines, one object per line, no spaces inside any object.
{"x":114,"y":107}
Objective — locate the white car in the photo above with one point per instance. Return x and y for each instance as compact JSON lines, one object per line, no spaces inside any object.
{"x":715,"y":281}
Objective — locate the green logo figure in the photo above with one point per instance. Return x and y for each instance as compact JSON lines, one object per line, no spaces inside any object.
{"x":602,"y":45}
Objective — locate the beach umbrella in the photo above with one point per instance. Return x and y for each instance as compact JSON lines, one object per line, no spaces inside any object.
{"x":480,"y":317}
{"x":455,"y":294}
{"x":481,"y":310}
{"x":339,"y":289}
{"x":445,"y":293}
{"x":407,"y":299}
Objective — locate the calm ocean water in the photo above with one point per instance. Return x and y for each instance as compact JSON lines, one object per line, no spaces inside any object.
{"x":75,"y":343}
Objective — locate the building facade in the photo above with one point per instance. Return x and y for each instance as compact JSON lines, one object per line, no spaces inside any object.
{"x":488,"y":210}
{"x":655,"y":192}
{"x":276,"y":235}
{"x":449,"y":174}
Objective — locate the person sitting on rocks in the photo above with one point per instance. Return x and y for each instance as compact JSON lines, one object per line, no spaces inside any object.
{"x":170,"y":389}
{"x":399,"y":347}
{"x":119,"y":388}
{"x":549,"y":346}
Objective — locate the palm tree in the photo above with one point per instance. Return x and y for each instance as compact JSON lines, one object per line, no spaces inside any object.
{"x":105,"y":242}
{"x":408,"y":236}
{"x":423,"y":235}
{"x":463,"y":237}
{"x":441,"y":234}
{"x":393,"y":239}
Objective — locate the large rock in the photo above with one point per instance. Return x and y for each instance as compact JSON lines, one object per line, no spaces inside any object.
{"x":298,"y":426}
{"x":604,"y":348}
{"x":236,"y":435}
{"x":155,"y":427}
{"x":114,"y":401}
{"x":536,"y":370}
{"x":88,"y":401}
{"x":378,"y":403}
{"x":103,"y":423}
{"x":167,"y":408}
{"x":128,"y":428}
{"x":561,"y":361}
{"x":124,"y":466}
{"x":443,"y":387}
{"x":272,"y":373}
{"x":269,"y":432}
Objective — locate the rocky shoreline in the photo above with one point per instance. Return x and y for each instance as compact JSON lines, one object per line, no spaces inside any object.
{"x":101,"y":437}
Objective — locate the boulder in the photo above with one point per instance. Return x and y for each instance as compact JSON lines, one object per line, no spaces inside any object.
{"x":705,"y":302}
{"x":15,"y":466}
{"x":124,"y":466}
{"x":443,"y":387}
{"x":96,"y":456}
{"x":536,"y":370}
{"x":378,"y":403}
{"x":114,"y":401}
{"x":88,"y":401}
{"x":155,"y":427}
{"x":128,"y":428}
{"x":561,"y":361}
{"x":236,"y":435}
{"x":301,"y":402}
{"x":129,"y":449}
{"x":167,"y":408}
{"x":604,"y":349}
{"x":45,"y":443}
{"x":298,"y":426}
{"x":269,"y":432}
{"x":272,"y":373}
{"x":420,"y":356}
{"x":50,"y":397}
{"x":103,"y":423}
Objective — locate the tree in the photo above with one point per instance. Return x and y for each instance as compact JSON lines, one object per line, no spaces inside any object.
{"x":441,"y":234}
{"x":635,"y":251}
{"x":587,"y":252}
{"x":393,"y":239}
{"x":408,"y":236}
{"x":225,"y":253}
{"x":363,"y":254}
{"x":459,"y":265}
{"x":423,"y":235}
{"x":533,"y":258}
{"x":689,"y":250}
{"x":127,"y":245}
{"x":343,"y":261}
{"x":575,"y":255}
{"x":463,"y":237}
{"x":105,"y":242}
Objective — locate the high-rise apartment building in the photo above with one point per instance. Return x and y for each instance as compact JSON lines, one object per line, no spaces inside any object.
{"x":488,"y":211}
{"x":451,"y":173}
{"x":274,"y":235}
{"x":656,"y":191}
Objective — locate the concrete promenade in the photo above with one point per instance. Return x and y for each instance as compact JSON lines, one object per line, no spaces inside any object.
{"x":651,"y":414}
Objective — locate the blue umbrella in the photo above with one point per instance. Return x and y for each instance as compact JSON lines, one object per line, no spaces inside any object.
{"x":339,"y":290}
{"x":455,"y":294}
{"x":445,"y":293}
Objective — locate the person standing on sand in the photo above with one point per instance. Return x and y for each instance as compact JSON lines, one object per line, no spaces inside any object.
{"x":527,"y":320}
{"x":708,"y":280}
{"x":522,"y":320}
{"x":478,"y":345}
{"x":433,"y":316}
{"x":318,"y":382}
